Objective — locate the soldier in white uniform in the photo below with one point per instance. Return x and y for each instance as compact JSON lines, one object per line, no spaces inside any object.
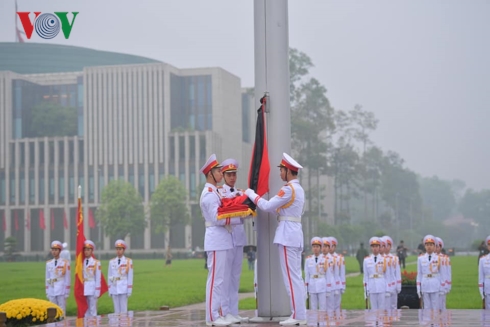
{"x":339,"y":273}
{"x":484,"y":276}
{"x":374,"y":267}
{"x":288,"y":204}
{"x":445,"y":273}
{"x":218,"y":243}
{"x":429,"y":281}
{"x":393,"y":275}
{"x":120,"y":276}
{"x":330,"y":272}
{"x":228,"y":190}
{"x":315,"y":276}
{"x":65,"y":253}
{"x":91,"y":278}
{"x":58,"y":277}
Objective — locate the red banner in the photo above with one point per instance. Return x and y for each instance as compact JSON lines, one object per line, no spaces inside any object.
{"x":91,"y":220}
{"x":258,"y":177}
{"x":65,"y":220}
{"x":28,"y":220}
{"x":42,"y":222}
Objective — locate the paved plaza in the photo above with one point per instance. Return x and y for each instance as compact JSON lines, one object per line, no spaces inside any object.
{"x":196,"y":317}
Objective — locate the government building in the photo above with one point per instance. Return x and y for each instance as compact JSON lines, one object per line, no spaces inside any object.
{"x":132,"y":118}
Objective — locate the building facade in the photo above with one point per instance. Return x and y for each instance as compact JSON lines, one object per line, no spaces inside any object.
{"x":138,"y":122}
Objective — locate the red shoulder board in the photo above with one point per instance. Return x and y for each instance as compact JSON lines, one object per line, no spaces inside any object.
{"x":210,"y":189}
{"x":421,"y":254}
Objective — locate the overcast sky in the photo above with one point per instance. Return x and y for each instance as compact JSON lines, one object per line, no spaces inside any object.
{"x":422,"y":66}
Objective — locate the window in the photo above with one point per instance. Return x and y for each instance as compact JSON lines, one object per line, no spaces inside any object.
{"x":61,"y":185}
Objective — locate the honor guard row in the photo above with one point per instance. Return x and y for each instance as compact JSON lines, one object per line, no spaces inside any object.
{"x":325,"y":275}
{"x":120,"y":277}
{"x":433,"y":274}
{"x":484,"y":276}
{"x":382,"y":276}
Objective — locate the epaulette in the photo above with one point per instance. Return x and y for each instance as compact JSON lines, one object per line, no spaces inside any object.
{"x":49,"y":260}
{"x":309,"y":256}
{"x":210,"y":189}
{"x":220,"y":186}
{"x":421,"y":254}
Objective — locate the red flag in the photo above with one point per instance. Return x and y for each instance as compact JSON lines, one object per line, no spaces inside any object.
{"x":42,"y":223}
{"x":4,"y":222}
{"x":65,"y":220}
{"x":91,"y":220}
{"x":78,"y":290}
{"x":52,"y":219}
{"x":258,"y":177}
{"x":16,"y":220}
{"x":28,"y":220}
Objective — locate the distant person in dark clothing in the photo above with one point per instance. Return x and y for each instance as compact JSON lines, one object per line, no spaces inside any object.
{"x":251,"y":259}
{"x":421,"y":248}
{"x":401,"y":252}
{"x":482,"y":250}
{"x":360,"y":255}
{"x":206,"y":260}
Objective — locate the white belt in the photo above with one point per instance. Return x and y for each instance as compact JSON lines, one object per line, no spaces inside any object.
{"x":487,"y":277}
{"x":119,"y":278}
{"x":376,"y":276}
{"x":54,"y":280}
{"x":289,"y":218}
{"x":88,"y":279}
{"x":430,"y":275}
{"x":211,"y":224}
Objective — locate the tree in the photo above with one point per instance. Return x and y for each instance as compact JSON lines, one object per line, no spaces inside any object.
{"x":476,"y":205}
{"x":438,"y":194}
{"x":168,"y":206}
{"x":52,"y":119}
{"x":121,"y":211}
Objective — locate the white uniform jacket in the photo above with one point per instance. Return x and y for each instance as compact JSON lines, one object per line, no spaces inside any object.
{"x":315,"y":274}
{"x":288,"y":203}
{"x":429,"y":273}
{"x":330,"y":264}
{"x":58,"y":277}
{"x":91,"y":277}
{"x":120,"y":276}
{"x":484,"y":275}
{"x":238,"y":231}
{"x":218,"y":232}
{"x":374,"y":274}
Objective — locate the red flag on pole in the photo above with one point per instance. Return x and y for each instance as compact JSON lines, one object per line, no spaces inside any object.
{"x":65,"y":220}
{"x":79,"y":296}
{"x":28,"y":220}
{"x":91,"y":220}
{"x":4,"y":222}
{"x":16,"y":220}
{"x":42,"y":222}
{"x":52,"y":219}
{"x":258,"y":177}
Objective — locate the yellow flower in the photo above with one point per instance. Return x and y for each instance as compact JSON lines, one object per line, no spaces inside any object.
{"x":19,"y":316}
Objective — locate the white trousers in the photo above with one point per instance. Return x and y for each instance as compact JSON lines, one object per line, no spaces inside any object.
{"x":60,"y":301}
{"x":487,"y":301}
{"x":337,"y":298}
{"x":394,"y":300}
{"x":290,"y":261}
{"x":431,"y":300}
{"x":318,"y":301}
{"x":377,"y":300}
{"x":442,"y":301}
{"x":215,"y":285}
{"x":235,"y":263}
{"x":120,"y":303}
{"x":329,"y":301}
{"x":92,"y":306}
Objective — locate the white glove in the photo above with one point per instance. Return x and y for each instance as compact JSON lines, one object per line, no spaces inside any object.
{"x":342,"y":291}
{"x":387,"y":294}
{"x":442,"y":293}
{"x":365,"y":295}
{"x":129,"y":294}
{"x":336,"y":292}
{"x":420,"y":295}
{"x":251,"y":194}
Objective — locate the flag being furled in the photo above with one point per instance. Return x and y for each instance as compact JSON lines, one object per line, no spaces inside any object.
{"x":258,"y":177}
{"x":78,"y":290}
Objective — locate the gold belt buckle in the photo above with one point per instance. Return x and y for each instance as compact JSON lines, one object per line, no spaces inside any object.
{"x":315,"y":276}
{"x":429,"y":275}
{"x":375,"y":276}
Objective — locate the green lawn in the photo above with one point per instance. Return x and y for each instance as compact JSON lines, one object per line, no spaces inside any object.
{"x":184,"y":283}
